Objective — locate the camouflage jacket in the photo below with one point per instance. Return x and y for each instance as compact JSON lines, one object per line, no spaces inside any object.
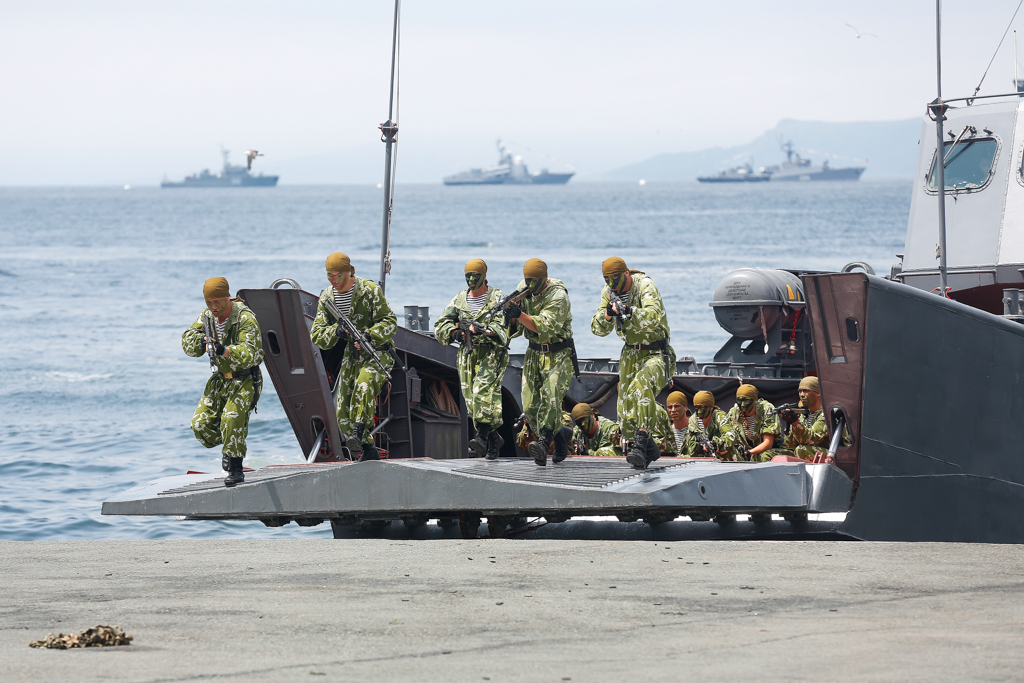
{"x":458,"y":310}
{"x":370,"y":313}
{"x":607,"y":434}
{"x":719,"y":430}
{"x":765,"y":422}
{"x":647,"y":325}
{"x":241,"y":335}
{"x":812,"y":430}
{"x":550,"y":312}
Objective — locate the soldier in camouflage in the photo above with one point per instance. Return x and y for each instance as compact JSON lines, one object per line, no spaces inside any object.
{"x":545,"y":319}
{"x":808,"y":434}
{"x":647,"y":359}
{"x":595,"y":434}
{"x":758,"y":427}
{"x":482,"y":357}
{"x":710,"y":426}
{"x":360,"y":379}
{"x":679,"y":417}
{"x":222,"y":416}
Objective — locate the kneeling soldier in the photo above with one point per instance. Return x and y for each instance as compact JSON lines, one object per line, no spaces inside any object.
{"x":710,"y":432}
{"x":631,"y":305}
{"x":228,"y":332}
{"x":482,"y":356}
{"x":545,"y":319}
{"x":757,"y":426}
{"x":360,"y":378}
{"x":595,"y":434}
{"x":679,"y":415}
{"x":808,"y":434}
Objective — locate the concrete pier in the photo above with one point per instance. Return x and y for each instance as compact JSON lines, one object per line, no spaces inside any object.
{"x":515,"y":610}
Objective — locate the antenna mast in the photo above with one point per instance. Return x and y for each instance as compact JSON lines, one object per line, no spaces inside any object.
{"x":938,"y":108}
{"x":389,"y":133}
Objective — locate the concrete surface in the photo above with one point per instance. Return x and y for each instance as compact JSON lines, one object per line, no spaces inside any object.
{"x":515,"y":610}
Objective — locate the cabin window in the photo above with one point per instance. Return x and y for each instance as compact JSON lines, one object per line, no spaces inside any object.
{"x":968,"y":165}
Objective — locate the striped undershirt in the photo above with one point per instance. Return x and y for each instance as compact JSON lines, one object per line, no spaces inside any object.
{"x":680,"y":436}
{"x":475,"y":303}
{"x":220,"y":328}
{"x":344,"y":300}
{"x":748,"y":426}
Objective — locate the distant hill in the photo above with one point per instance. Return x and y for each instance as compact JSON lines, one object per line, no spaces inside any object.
{"x":889,"y":146}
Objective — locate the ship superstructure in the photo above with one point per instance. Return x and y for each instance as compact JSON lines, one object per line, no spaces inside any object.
{"x":230,"y":175}
{"x":510,"y":170}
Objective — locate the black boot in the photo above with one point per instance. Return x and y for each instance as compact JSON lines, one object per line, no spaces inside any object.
{"x":653,"y":451}
{"x":538,"y":450}
{"x":479,"y":442}
{"x":494,"y":444}
{"x":235,"y":473}
{"x":369,"y":453}
{"x":637,"y":456}
{"x":225,"y":463}
{"x":562,"y":438}
{"x":354,"y":442}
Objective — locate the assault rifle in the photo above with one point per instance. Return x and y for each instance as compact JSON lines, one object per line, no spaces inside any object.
{"x":706,"y":444}
{"x":513,"y":298}
{"x":624,"y":310}
{"x":211,"y":338}
{"x":468,"y":328}
{"x":355,"y":335}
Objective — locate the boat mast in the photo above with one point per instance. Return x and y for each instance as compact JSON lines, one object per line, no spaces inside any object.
{"x":938,"y":109}
{"x":389,"y":131}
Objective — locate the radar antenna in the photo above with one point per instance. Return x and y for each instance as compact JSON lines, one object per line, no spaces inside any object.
{"x":250,"y":155}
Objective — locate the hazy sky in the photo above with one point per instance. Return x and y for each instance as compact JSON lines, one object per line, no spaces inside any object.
{"x":124,"y":92}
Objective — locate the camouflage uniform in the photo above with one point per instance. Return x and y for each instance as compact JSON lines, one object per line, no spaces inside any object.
{"x":482,"y":369}
{"x":642,"y":373}
{"x":222,"y":416}
{"x":765,"y":422}
{"x":546,"y":375}
{"x":664,"y":434}
{"x":719,"y":430}
{"x":359,"y":380}
{"x":809,"y":435}
{"x":605,"y":441}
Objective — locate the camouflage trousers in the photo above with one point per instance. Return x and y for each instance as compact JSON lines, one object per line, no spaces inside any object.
{"x":546,"y":378}
{"x":480,"y":373}
{"x":222,"y":416}
{"x":641,"y":378}
{"x":767,"y":455}
{"x":359,"y":383}
{"x":807,"y":451}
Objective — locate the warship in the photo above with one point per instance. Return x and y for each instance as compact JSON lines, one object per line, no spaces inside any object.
{"x":739,"y":174}
{"x":230,"y":175}
{"x":511,"y":170}
{"x":921,"y":366}
{"x":796,"y":168}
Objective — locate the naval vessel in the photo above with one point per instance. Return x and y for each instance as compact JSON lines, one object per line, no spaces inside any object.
{"x":231,"y":175}
{"x":796,"y":168}
{"x":510,"y":170}
{"x":923,"y":366}
{"x":739,"y":174}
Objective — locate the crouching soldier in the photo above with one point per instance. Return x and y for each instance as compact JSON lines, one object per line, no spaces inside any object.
{"x":710,"y":431}
{"x":808,"y":434}
{"x":360,"y":377}
{"x":756,"y":425}
{"x":595,"y":434}
{"x":228,"y":332}
{"x":482,"y":354}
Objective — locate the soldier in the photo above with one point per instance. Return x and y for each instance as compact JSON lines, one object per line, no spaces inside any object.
{"x":647,"y":358}
{"x":545,"y":319}
{"x":711,"y":433}
{"x":757,"y":426}
{"x":679,"y":414}
{"x":595,"y":434}
{"x":808,"y":434}
{"x":359,"y":378}
{"x":482,"y":355}
{"x":222,"y":416}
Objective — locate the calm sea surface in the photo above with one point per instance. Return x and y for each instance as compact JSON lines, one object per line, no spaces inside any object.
{"x":97,"y":285}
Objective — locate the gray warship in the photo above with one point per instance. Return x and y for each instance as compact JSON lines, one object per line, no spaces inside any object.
{"x":923,"y":366}
{"x":796,"y":168}
{"x":230,"y":175}
{"x":739,"y":174}
{"x":511,"y":170}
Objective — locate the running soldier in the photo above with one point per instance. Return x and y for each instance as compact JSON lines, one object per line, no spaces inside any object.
{"x":710,"y":431}
{"x":545,"y":319}
{"x":360,"y":378}
{"x":236,"y":351}
{"x":595,"y":434}
{"x":631,"y":306}
{"x":757,"y":426}
{"x":482,"y":355}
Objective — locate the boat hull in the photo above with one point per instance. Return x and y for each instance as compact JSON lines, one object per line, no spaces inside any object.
{"x":818,"y":175}
{"x":250,"y":181}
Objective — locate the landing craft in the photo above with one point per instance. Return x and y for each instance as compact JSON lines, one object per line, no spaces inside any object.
{"x":928,"y":386}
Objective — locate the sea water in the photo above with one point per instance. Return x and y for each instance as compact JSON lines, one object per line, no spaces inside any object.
{"x":97,"y":285}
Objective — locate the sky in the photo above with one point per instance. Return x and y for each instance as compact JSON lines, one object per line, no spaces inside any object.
{"x":106,"y":92}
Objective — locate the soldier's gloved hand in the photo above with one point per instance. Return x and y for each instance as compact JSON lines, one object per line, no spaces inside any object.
{"x":789,"y":416}
{"x":456,"y":335}
{"x":513,"y":312}
{"x":219,"y":348}
{"x":610,"y":310}
{"x":626,"y":310}
{"x":341,"y":333}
